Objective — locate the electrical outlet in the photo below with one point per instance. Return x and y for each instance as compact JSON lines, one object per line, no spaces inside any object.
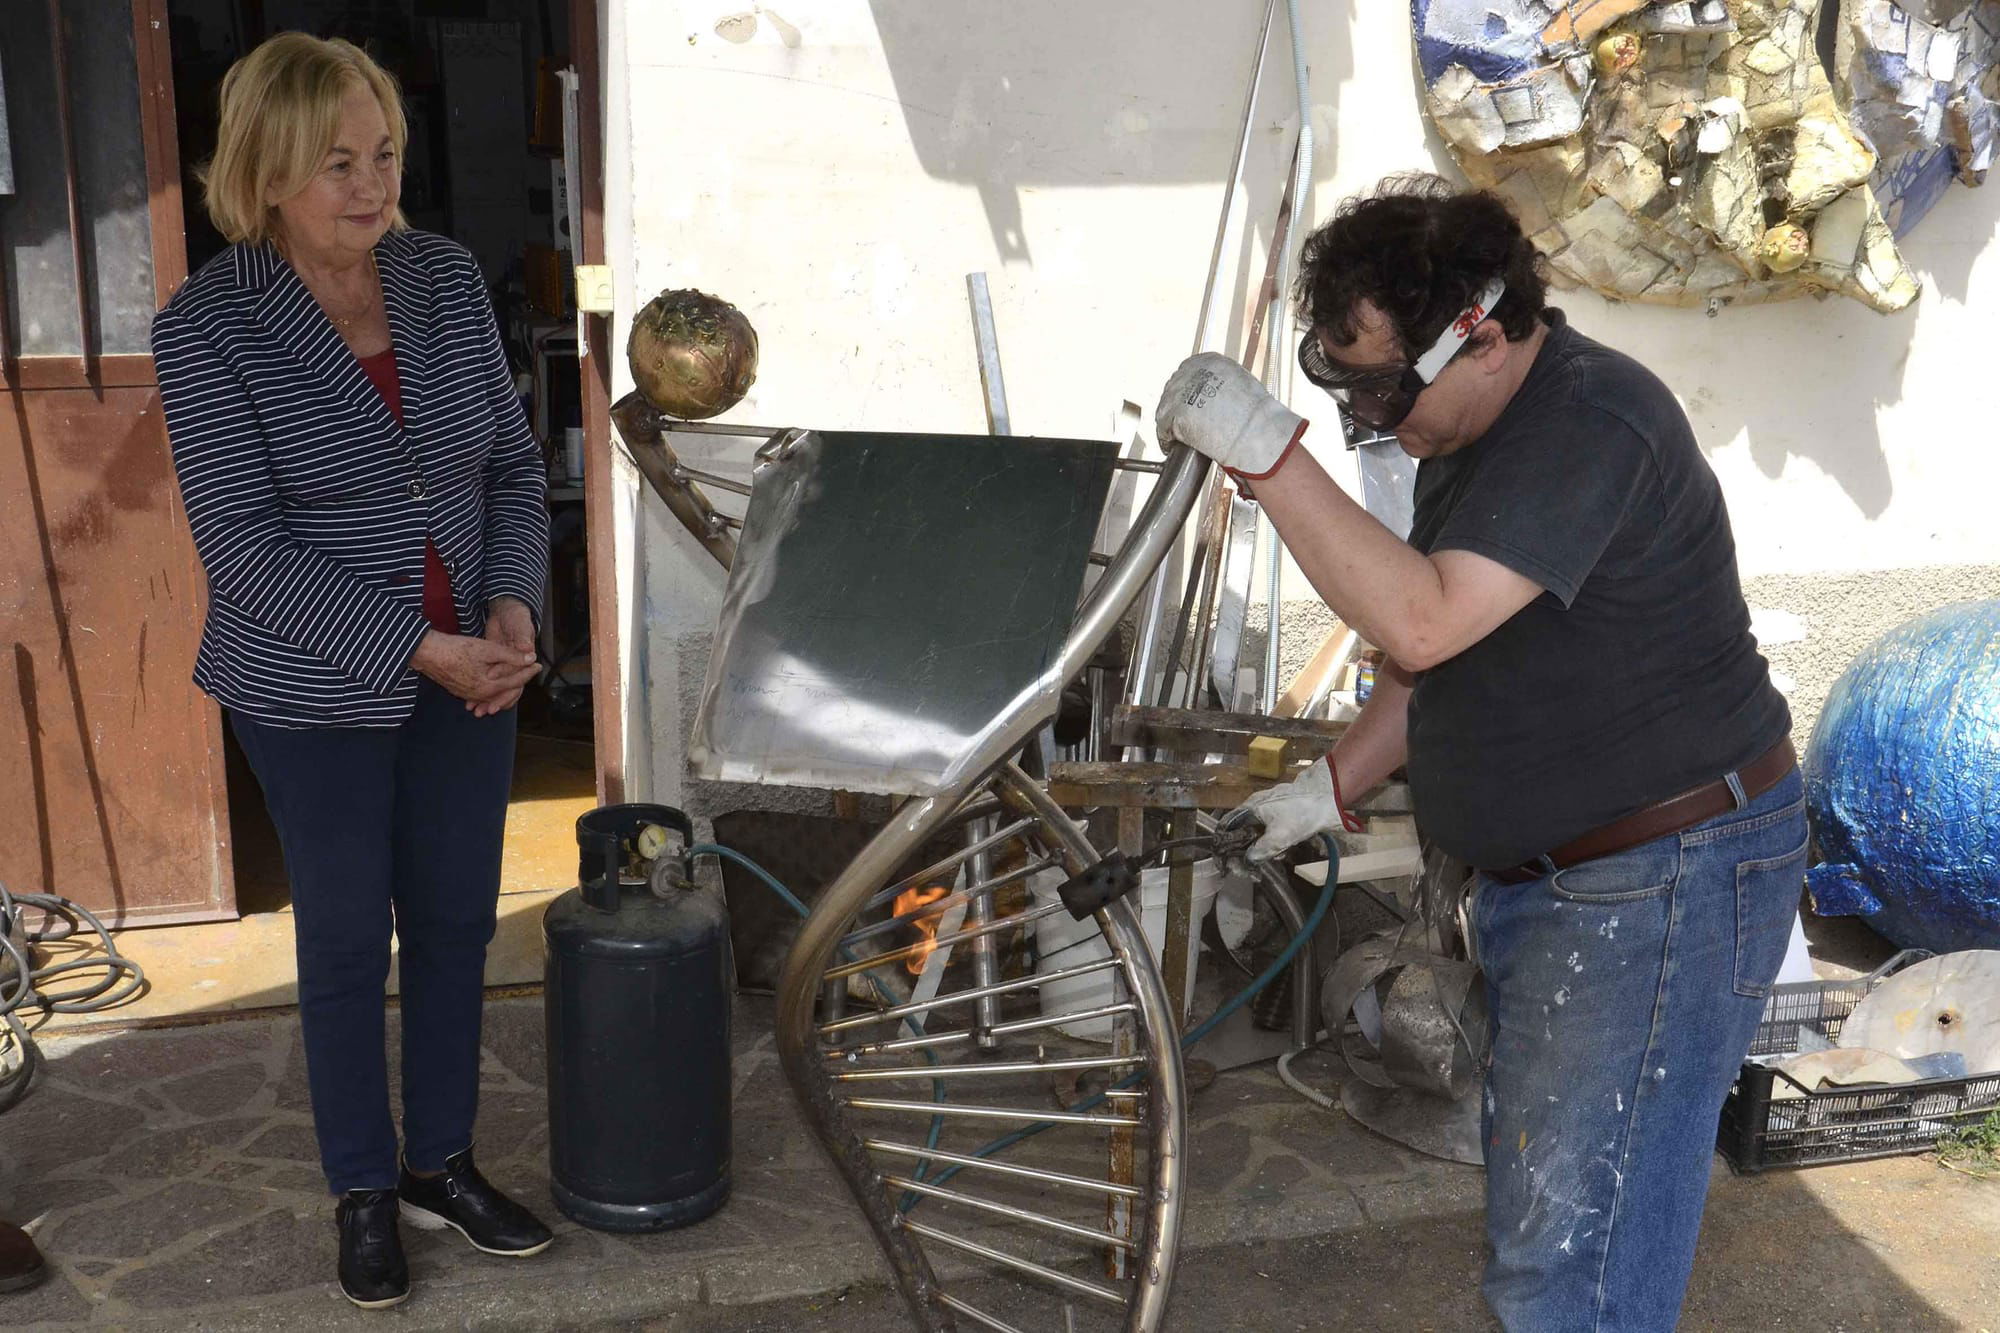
{"x":595,"y":292}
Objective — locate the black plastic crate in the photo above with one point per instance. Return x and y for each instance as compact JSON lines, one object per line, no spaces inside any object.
{"x":1760,"y":1130}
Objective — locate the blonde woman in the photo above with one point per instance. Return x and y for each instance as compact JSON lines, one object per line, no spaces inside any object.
{"x":370,"y":508}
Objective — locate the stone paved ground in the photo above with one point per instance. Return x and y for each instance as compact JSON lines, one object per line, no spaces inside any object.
{"x":172,"y":1175}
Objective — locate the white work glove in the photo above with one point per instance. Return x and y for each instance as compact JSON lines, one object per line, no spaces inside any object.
{"x":1216,"y":407}
{"x":1307,"y":805}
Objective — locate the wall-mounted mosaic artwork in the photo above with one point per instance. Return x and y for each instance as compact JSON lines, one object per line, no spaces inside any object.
{"x":1697,"y":152}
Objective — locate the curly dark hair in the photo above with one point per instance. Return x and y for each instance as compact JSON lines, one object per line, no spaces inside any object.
{"x":1419,"y":249}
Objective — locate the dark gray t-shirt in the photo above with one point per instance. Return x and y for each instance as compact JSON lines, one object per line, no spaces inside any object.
{"x":1634,"y":676}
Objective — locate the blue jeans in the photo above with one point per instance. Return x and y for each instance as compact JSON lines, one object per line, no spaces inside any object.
{"x":1624,"y":994}
{"x":390,"y":826}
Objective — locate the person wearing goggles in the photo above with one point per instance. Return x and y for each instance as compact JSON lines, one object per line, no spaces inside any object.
{"x":1574,"y":693}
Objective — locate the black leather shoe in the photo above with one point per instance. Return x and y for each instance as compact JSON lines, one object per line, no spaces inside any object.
{"x":462,"y":1199}
{"x":372,"y":1272}
{"x":21,"y":1264}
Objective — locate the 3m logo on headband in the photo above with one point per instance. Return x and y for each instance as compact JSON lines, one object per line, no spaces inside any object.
{"x":1455,"y":333}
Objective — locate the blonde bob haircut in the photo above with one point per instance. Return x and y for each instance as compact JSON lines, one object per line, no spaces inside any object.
{"x":280,"y":113}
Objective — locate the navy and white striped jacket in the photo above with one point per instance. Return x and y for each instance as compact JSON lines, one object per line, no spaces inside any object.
{"x":310,"y":505}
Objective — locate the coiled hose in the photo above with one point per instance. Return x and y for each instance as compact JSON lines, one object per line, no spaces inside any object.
{"x":24,"y":986}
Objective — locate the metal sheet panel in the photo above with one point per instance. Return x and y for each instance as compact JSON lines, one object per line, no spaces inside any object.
{"x":891,"y":594}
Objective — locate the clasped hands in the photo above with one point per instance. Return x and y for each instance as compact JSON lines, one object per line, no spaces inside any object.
{"x":490,"y":671}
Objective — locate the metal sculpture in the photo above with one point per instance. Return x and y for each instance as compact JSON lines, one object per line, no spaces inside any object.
{"x":886,"y":1066}
{"x":1683,"y":153}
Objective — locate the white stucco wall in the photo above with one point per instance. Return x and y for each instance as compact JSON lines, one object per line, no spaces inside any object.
{"x":836,"y":167}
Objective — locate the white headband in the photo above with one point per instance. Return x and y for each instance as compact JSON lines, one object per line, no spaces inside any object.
{"x":1456,"y":332}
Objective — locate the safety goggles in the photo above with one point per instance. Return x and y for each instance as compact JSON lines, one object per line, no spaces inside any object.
{"x":1381,"y":396}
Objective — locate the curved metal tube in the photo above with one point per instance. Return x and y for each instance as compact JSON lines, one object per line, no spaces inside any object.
{"x":1305,"y":967}
{"x":1146,"y":545}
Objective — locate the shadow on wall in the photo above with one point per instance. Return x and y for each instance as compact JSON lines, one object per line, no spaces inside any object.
{"x":1050,"y":94}
{"x":1810,"y":378}
{"x":1805,"y":378}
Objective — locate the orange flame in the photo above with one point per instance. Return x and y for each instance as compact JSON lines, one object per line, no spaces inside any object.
{"x":914,"y":900}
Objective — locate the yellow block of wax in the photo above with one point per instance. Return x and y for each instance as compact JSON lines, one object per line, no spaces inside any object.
{"x":1267,"y":757}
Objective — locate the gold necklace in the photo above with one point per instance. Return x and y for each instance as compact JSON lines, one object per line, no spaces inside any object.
{"x":346,"y":322}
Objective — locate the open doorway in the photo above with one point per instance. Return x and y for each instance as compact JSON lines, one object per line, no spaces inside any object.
{"x":485,"y":166}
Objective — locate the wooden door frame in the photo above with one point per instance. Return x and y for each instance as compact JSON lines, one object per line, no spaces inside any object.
{"x":599,"y":511}
{"x":94,"y":374}
{"x":152,"y":43}
{"x":153,"y":46}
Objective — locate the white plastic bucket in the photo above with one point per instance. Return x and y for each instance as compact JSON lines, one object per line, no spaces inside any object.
{"x":1064,"y":942}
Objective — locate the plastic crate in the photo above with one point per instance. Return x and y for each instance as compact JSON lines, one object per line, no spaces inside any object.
{"x":1760,"y":1130}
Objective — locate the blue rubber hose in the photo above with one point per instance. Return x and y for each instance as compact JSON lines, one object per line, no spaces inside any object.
{"x":791,"y":900}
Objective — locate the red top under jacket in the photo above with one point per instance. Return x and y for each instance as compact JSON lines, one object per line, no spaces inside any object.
{"x":438,"y":608}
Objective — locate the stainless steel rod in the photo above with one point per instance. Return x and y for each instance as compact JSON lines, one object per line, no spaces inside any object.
{"x":1146,"y":646}
{"x":921,"y":947}
{"x":1138,"y":465}
{"x":1214,"y":501}
{"x":679,"y":427}
{"x":987,"y":339}
{"x":1019,"y":1025}
{"x":1208,"y":324}
{"x":1015,"y":1262}
{"x":683,"y":473}
{"x":985,"y":957}
{"x":1300,"y":189}
{"x":939,"y":906}
{"x":1091,"y":1234}
{"x":905,"y":1044}
{"x":1011,"y":1114}
{"x":975,"y":1314}
{"x":1000,"y":1168}
{"x":1052,"y":1020}
{"x":994,"y":1069}
{"x":1305,"y":965}
{"x":950,"y":863}
{"x":1211,"y":593}
{"x":959,"y":997}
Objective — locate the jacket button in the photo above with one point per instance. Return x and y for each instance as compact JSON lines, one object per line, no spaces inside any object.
{"x":417,"y":489}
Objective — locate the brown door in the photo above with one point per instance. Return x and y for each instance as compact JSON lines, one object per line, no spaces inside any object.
{"x":606,"y":648}
{"x":111,"y":786}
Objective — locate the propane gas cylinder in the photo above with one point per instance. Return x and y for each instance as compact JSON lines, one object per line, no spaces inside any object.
{"x":638,"y":977}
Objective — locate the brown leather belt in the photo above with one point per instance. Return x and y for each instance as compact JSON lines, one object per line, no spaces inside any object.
{"x":1657,"y":821}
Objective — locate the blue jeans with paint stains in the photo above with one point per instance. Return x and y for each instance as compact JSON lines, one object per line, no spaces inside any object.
{"x":1624,"y":994}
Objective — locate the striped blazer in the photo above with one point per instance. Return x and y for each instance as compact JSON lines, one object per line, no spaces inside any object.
{"x":310,"y":504}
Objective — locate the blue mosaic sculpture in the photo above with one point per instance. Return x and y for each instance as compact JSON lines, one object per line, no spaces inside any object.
{"x":1903,"y":783}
